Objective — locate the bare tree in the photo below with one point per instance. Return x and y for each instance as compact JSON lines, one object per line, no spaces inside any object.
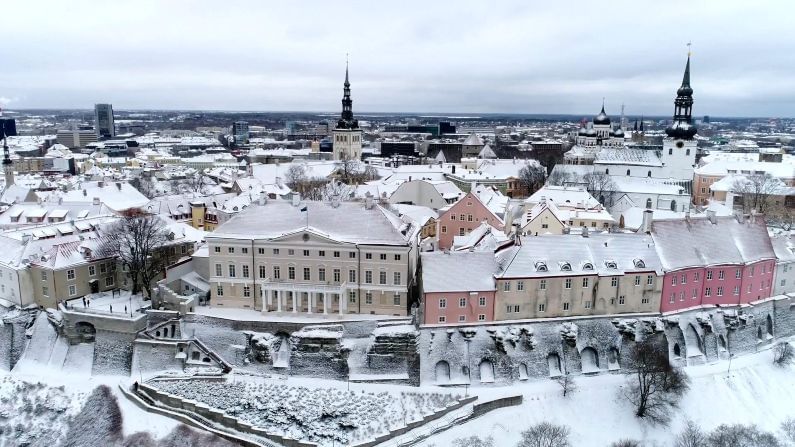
{"x":783,"y":354}
{"x":295,"y":175}
{"x":140,"y":242}
{"x":353,"y":172}
{"x":145,"y":187}
{"x":196,"y":183}
{"x":691,"y":436}
{"x":626,"y":443}
{"x":532,"y":177}
{"x":779,"y":215}
{"x":788,"y":428}
{"x":739,"y":435}
{"x":757,"y":191}
{"x":601,"y":186}
{"x":545,"y":434}
{"x":560,"y":177}
{"x":567,"y":384}
{"x":654,"y":386}
{"x":474,"y":441}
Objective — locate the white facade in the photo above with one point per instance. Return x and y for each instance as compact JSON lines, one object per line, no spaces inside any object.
{"x":347,"y":144}
{"x":679,"y":159}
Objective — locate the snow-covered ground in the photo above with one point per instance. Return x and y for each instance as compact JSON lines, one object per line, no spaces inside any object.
{"x":295,"y":317}
{"x":755,"y":391}
{"x":106,"y":303}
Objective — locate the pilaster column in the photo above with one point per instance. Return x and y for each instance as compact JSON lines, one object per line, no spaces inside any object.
{"x":325,"y":303}
{"x":295,"y":301}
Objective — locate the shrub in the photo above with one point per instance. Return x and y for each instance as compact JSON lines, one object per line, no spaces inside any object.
{"x":545,"y":434}
{"x":783,"y":354}
{"x":691,"y":436}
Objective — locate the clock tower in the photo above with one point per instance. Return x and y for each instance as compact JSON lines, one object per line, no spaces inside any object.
{"x":347,"y":135}
{"x":679,"y":146}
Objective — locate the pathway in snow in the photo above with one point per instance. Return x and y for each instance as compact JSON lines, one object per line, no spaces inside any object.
{"x":755,"y":392}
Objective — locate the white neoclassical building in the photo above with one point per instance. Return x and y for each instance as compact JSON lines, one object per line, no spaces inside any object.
{"x":324,"y":258}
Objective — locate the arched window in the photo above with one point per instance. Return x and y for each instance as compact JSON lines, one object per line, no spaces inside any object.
{"x":673,"y":205}
{"x":648,"y":174}
{"x":648,"y":204}
{"x":607,"y":172}
{"x":627,"y":172}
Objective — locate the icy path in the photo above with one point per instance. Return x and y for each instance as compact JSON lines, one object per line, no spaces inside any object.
{"x":754,"y":392}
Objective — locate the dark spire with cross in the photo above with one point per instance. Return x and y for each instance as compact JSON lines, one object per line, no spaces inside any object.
{"x":346,"y":120}
{"x":682,"y":126}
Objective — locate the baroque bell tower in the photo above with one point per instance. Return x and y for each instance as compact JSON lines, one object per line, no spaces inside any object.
{"x":679,"y":147}
{"x":347,"y":134}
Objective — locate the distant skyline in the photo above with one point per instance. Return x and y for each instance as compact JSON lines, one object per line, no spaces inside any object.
{"x":517,"y":56}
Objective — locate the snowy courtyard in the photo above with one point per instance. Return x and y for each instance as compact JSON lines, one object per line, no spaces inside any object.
{"x":117,"y":303}
{"x":328,"y":416}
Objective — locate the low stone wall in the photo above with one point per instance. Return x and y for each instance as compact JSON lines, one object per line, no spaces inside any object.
{"x":484,"y":407}
{"x":113,"y":352}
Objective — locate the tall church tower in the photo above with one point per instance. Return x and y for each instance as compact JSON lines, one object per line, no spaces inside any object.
{"x":347,"y":135}
{"x":679,"y":147}
{"x":8,"y":165}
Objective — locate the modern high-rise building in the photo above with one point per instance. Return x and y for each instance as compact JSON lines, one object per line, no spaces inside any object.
{"x":103,"y":121}
{"x":240,"y":132}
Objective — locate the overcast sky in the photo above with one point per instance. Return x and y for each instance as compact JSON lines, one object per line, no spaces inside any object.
{"x":407,"y":56}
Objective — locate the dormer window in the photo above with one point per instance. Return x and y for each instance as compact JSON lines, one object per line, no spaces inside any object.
{"x":587,"y":266}
{"x":565,"y":267}
{"x":541,"y":267}
{"x":611,"y":265}
{"x":639,"y":264}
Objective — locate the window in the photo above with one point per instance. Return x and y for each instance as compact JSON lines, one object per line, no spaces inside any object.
{"x":720,"y":291}
{"x":244,"y":250}
{"x":481,"y":317}
{"x":544,"y":225}
{"x":290,"y":252}
{"x":396,"y":278}
{"x":382,"y":277}
{"x":565,"y":306}
{"x":621,"y":300}
{"x":275,"y":251}
{"x":585,"y":282}
{"x":452,"y":217}
{"x":695,"y":294}
{"x":672,"y":298}
{"x":321,"y":253}
{"x":444,"y":229}
{"x":218,"y":270}
{"x":461,"y":217}
{"x":260,"y":251}
{"x":336,"y":274}
{"x":306,"y":252}
{"x":783,"y":282}
{"x":469,"y":218}
{"x":352,"y":296}
{"x":542,"y":307}
{"x":72,"y":290}
{"x":231,"y":250}
{"x":588,"y":304}
{"x":103,"y":268}
{"x":396,"y":299}
{"x":368,"y":256}
{"x":262,"y":271}
{"x":219,"y":290}
{"x":506,"y":286}
{"x":442,"y":319}
{"x":245,"y":271}
{"x":397,"y":257}
{"x":461,"y":231}
{"x":109,"y":281}
{"x":614,"y":281}
{"x":336,"y":254}
{"x":709,"y":275}
{"x":519,"y":285}
{"x":462,"y":302}
{"x":708,"y":291}
{"x":542,"y":285}
{"x":44,"y":276}
{"x":720,"y":274}
{"x":277,"y":272}
{"x":352,"y":276}
{"x":291,"y":272}
{"x":217,"y":249}
{"x":382,"y":256}
{"x":482,"y":301}
{"x":246,"y":291}
{"x":696,"y":276}
{"x":737,"y":289}
{"x":738,"y":275}
{"x":231,"y":270}
{"x":683,"y":279}
{"x":673,"y":280}
{"x":92,"y":270}
{"x":637,"y":280}
{"x":352,"y":254}
{"x":462,"y":318}
{"x":753,"y":267}
{"x":368,"y":298}
{"x":442,"y":303}
{"x":183,"y":249}
{"x":681,"y":296}
{"x":568,"y":283}
{"x":45,"y":291}
{"x":70,"y":274}
{"x":368,"y":277}
{"x":307,"y":274}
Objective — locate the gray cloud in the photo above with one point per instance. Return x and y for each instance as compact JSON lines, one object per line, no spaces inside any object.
{"x":453,"y":56}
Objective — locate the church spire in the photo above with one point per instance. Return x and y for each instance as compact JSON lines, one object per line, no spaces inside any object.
{"x":346,"y":120}
{"x":682,"y":126}
{"x":8,"y":166}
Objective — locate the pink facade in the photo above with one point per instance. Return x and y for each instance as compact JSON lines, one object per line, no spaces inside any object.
{"x":463,"y":217}
{"x":723,"y":285}
{"x":458,"y":307}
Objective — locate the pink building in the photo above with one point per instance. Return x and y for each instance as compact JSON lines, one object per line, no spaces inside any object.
{"x":464,"y":216}
{"x":458,"y":287}
{"x":713,"y":261}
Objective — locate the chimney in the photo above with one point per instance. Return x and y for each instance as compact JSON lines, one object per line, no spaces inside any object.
{"x":95,"y":201}
{"x":453,"y":169}
{"x":712,"y":217}
{"x":296,"y":199}
{"x":101,"y":183}
{"x":647,"y":220}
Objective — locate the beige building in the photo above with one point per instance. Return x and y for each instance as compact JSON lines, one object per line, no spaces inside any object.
{"x":314,"y":258}
{"x":570,"y":275}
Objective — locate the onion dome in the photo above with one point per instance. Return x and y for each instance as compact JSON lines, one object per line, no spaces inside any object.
{"x":590,"y":132}
{"x":582,"y":131}
{"x":602,"y":117}
{"x":619,"y":133}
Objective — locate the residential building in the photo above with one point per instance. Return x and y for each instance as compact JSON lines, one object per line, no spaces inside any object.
{"x":784,"y":277}
{"x":571,"y":275}
{"x":432,"y":194}
{"x":448,"y":297}
{"x":463,"y":217}
{"x":713,"y":261}
{"x":339,"y":257}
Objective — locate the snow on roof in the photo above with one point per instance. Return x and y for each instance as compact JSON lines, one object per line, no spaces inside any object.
{"x":349,"y":222}
{"x":118,"y":196}
{"x":564,"y":196}
{"x":624,"y":156}
{"x":784,"y":170}
{"x":444,"y":272}
{"x":483,"y":238}
{"x":605,"y":254}
{"x":473,"y":140}
{"x":698,"y":242}
{"x":645,"y":185}
{"x":487,"y":152}
{"x":419,"y":214}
